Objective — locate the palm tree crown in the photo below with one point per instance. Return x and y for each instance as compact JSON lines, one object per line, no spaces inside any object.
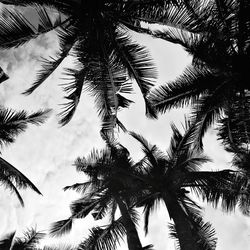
{"x":218,"y":77}
{"x":115,"y":181}
{"x":96,"y":33}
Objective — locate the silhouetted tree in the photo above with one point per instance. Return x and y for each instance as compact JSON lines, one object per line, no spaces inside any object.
{"x":219,"y":75}
{"x":109,"y":186}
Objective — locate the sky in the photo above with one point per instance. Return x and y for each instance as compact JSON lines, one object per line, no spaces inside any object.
{"x":45,"y":154}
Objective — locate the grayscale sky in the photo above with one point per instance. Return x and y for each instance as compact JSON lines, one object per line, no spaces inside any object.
{"x":45,"y":154}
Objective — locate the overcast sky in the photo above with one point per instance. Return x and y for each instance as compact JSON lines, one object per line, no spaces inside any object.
{"x":45,"y":154}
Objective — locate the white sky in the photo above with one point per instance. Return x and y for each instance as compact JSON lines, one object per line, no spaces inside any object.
{"x":45,"y":154}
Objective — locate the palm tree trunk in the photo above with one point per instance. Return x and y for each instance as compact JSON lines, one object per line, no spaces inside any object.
{"x":183,"y":226}
{"x":133,"y":239}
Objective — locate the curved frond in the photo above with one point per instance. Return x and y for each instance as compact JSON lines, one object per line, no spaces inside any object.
{"x":149,"y":205}
{"x":67,"y":39}
{"x":224,"y":188}
{"x":74,"y":90}
{"x":10,"y":174}
{"x":60,"y":228}
{"x":184,"y":91}
{"x":208,"y":109}
{"x":13,"y":123}
{"x":17,"y":30}
{"x":29,"y":241}
{"x":136,"y":59}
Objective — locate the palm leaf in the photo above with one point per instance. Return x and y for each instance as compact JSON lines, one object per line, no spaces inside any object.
{"x":62,"y":227}
{"x":61,"y":6}
{"x":17,"y":30}
{"x":80,"y":187}
{"x":202,"y":231}
{"x":9,"y":184}
{"x":74,"y":89}
{"x":9,"y":174}
{"x":13,"y":123}
{"x":67,"y":39}
{"x":149,"y":205}
{"x":29,"y":241}
{"x":139,"y":64}
{"x":208,"y":109}
{"x":185,"y":90}
{"x":104,"y":238}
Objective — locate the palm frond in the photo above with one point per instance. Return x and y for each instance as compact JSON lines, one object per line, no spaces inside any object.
{"x":178,"y":36}
{"x":74,"y":90}
{"x":80,"y":187}
{"x":185,"y":15}
{"x":9,"y":184}
{"x":13,"y":123}
{"x":103,"y":207}
{"x":104,"y":238}
{"x":67,"y":39}
{"x":184,"y":91}
{"x":83,"y":206}
{"x":105,"y":79}
{"x":136,"y":59}
{"x":208,"y":109}
{"x":10,"y":174}
{"x":149,"y":206}
{"x":225,"y":188}
{"x":60,"y":228}
{"x":203,"y":232}
{"x":62,"y":6}
{"x":29,"y":241}
{"x":17,"y":30}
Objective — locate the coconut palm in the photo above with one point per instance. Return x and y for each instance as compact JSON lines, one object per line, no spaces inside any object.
{"x":97,"y":34}
{"x":219,"y":74}
{"x":170,"y":176}
{"x":109,"y":187}
{"x":116,"y":181}
{"x":12,"y":123}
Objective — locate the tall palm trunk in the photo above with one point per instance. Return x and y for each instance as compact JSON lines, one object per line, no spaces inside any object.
{"x":183,"y":226}
{"x":133,"y":239}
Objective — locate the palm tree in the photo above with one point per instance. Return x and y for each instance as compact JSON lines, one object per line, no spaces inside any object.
{"x":13,"y":123}
{"x":109,"y":186}
{"x":170,"y":176}
{"x":219,"y":74}
{"x":97,"y":34}
{"x":29,"y":241}
{"x":116,"y":181}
